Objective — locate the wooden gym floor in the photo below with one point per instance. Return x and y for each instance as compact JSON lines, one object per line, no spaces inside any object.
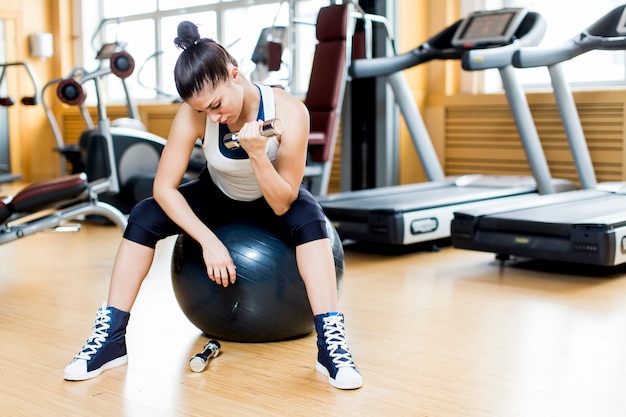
{"x":448,"y":333}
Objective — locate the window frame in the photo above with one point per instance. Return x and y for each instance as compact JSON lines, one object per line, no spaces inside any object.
{"x":90,"y":14}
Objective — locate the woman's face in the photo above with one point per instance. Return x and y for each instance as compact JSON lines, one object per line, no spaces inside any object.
{"x":223,"y":103}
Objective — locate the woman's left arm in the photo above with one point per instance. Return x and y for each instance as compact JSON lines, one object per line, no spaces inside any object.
{"x":280,"y":182}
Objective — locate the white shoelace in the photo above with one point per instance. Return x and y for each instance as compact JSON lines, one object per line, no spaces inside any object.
{"x":336,"y":340}
{"x":98,"y":336}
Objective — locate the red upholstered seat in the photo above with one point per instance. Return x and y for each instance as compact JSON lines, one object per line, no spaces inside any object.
{"x":5,"y":211}
{"x":45,"y":194}
{"x":328,"y":78}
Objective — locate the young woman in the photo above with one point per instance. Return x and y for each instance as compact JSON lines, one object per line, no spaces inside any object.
{"x":260,"y":181}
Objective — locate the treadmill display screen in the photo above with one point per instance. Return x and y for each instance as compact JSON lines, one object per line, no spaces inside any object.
{"x":488,"y":28}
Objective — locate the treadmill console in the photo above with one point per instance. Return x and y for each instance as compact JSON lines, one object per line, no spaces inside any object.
{"x":490,"y":27}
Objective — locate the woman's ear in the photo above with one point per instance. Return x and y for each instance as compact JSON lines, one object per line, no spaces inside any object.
{"x":234,"y":73}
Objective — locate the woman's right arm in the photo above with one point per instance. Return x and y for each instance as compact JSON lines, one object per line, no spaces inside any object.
{"x":188,"y":125}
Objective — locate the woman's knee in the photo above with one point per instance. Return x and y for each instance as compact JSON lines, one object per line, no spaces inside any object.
{"x":148,"y":223}
{"x":144,"y":211}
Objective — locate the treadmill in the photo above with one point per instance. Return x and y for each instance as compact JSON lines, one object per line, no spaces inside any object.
{"x":409,"y":214}
{"x":586,"y":226}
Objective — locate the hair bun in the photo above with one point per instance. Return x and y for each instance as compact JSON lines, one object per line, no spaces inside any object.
{"x":187,"y":35}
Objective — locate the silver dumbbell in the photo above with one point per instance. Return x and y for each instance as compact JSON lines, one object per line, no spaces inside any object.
{"x":269,"y":128}
{"x":199,"y":361}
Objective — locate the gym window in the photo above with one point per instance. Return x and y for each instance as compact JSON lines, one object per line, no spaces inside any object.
{"x":148,"y":29}
{"x":582,"y":71}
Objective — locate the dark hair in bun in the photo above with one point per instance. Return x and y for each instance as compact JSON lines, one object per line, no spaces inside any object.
{"x":202,"y":63}
{"x":188,"y":35}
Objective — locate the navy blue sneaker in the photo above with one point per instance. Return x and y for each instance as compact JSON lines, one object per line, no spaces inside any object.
{"x":104,"y":349}
{"x":333,"y":356}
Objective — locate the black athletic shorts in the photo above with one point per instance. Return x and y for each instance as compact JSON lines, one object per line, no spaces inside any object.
{"x":303,"y":222}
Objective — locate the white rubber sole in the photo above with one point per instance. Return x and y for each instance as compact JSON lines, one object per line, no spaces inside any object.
{"x":352,"y":383}
{"x":73,"y":374}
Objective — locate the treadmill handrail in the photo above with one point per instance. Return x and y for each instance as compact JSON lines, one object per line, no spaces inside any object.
{"x":377,"y":67}
{"x":601,"y":35}
{"x":534,"y":26}
{"x":544,"y":56}
{"x":530,"y":33}
{"x":437,"y":47}
{"x":607,"y":33}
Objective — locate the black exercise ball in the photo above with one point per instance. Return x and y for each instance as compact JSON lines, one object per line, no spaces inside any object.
{"x":268,"y":301}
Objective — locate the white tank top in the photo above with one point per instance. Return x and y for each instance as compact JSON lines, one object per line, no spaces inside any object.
{"x":231,"y":170}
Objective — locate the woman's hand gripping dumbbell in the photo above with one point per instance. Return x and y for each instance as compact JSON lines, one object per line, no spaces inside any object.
{"x":269,"y":128}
